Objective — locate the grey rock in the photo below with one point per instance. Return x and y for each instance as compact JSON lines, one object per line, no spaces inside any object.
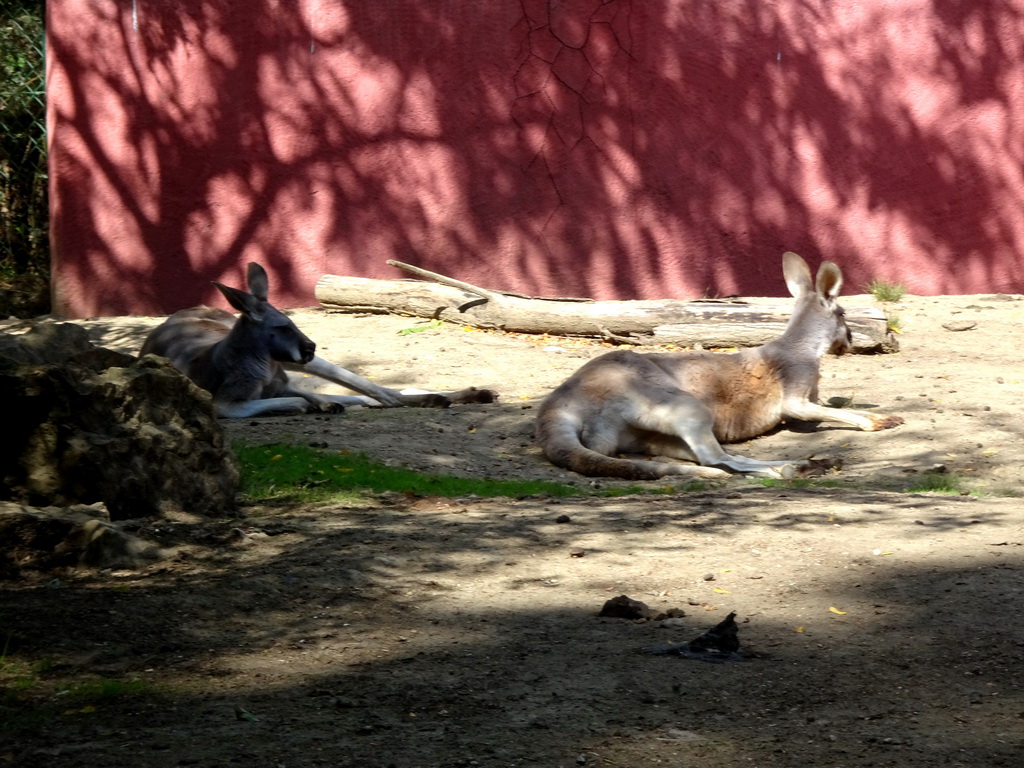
{"x":91,"y":425}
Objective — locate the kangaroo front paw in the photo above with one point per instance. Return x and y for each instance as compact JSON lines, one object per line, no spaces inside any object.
{"x":434,"y":401}
{"x":813,"y":468}
{"x":324,"y":406}
{"x":389,"y":398}
{"x":878,"y":423}
{"x":779,"y":472}
{"x":787,"y":471}
{"x":474,"y":395}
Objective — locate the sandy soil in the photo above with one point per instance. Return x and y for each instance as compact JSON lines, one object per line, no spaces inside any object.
{"x":880,"y":627}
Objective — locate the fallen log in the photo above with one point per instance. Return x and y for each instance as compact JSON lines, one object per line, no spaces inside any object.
{"x":708,"y":323}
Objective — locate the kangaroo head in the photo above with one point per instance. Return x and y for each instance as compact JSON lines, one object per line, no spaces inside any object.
{"x":817,"y":314}
{"x":269,"y":330}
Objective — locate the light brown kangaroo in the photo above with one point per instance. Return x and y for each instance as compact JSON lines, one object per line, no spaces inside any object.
{"x":244,"y":361}
{"x":684,"y":405}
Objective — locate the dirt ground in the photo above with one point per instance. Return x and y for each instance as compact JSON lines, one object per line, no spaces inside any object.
{"x":880,"y":627}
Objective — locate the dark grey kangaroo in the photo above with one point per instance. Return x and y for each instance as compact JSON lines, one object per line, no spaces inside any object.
{"x":244,"y":361}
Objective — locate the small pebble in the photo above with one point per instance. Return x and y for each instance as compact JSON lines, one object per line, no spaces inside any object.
{"x":960,"y":325}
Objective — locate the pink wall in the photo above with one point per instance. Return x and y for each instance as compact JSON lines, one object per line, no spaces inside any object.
{"x":614,"y":149}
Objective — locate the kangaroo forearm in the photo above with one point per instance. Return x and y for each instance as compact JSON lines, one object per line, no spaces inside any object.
{"x":865,"y":420}
{"x":331,"y":372}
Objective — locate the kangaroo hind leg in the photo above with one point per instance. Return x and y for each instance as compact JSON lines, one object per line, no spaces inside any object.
{"x":614,"y":431}
{"x":683,"y":427}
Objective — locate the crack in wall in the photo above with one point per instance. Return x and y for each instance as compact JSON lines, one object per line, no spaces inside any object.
{"x":547,"y":90}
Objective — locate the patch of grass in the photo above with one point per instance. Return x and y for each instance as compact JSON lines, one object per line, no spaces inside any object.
{"x":641,"y":490}
{"x":421,"y":327}
{"x":893,"y":322}
{"x":297,"y":474}
{"x":31,"y":698}
{"x":799,"y":482}
{"x":885,"y":291}
{"x":1007,"y":493}
{"x":30,"y":704}
{"x":33,"y":694}
{"x":20,"y":714}
{"x":103,"y":690}
{"x":939,"y":482}
{"x":16,"y":679}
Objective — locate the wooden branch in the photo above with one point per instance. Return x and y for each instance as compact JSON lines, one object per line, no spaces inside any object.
{"x":445,"y":280}
{"x":709,"y":323}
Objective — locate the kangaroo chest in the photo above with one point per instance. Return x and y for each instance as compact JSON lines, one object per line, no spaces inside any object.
{"x":744,"y":393}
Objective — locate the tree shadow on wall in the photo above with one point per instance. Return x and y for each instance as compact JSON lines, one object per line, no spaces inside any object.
{"x":585,"y":148}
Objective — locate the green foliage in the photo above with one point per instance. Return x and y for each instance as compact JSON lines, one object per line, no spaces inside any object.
{"x":21,"y":56}
{"x":885,"y":291}
{"x":24,"y":214}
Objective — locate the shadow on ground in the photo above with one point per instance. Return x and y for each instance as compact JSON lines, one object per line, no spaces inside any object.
{"x":451,"y":633}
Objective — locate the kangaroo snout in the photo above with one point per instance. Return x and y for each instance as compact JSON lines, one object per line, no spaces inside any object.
{"x":843,"y":344}
{"x":307,"y":350}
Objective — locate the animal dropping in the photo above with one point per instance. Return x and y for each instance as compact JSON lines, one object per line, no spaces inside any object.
{"x":250,"y":363}
{"x":684,"y":405}
{"x":720,"y":643}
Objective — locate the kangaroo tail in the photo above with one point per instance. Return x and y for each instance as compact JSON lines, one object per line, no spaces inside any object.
{"x":559,"y":437}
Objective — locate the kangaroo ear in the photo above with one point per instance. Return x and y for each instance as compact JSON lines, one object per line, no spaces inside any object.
{"x":246,"y":303}
{"x":797,"y":274}
{"x":256,"y":279}
{"x":830,"y":280}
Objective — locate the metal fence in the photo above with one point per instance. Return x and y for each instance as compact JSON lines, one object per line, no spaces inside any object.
{"x":24,"y":212}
